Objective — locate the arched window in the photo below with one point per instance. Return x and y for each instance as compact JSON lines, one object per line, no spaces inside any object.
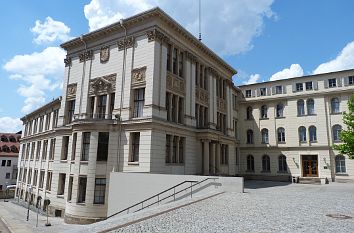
{"x":283,"y":166}
{"x":250,"y":163}
{"x":249,"y":115}
{"x":340,"y":164}
{"x":12,"y":139}
{"x":336,"y":129}
{"x":265,"y":136}
{"x":302,"y":134}
{"x":4,"y":139}
{"x":249,"y":136}
{"x":310,"y":107}
{"x":300,"y":108}
{"x":264,"y":111}
{"x":335,"y":105}
{"x":280,"y":110}
{"x":281,"y":134}
{"x":5,"y":148}
{"x":313,"y":133}
{"x":265,"y":163}
{"x":14,"y":149}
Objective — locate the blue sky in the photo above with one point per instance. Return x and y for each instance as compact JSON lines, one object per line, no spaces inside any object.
{"x":262,"y":39}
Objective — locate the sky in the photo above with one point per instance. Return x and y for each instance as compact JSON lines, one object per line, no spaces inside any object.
{"x":262,"y":39}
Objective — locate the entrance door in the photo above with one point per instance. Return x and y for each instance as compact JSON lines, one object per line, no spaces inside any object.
{"x":309,"y":166}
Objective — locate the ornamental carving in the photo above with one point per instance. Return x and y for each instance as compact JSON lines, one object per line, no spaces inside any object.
{"x":71,"y":90}
{"x":126,"y":43}
{"x":103,"y":85}
{"x":156,"y":35}
{"x":202,"y":96}
{"x":175,"y":84}
{"x":87,"y":55}
{"x":221,"y":104}
{"x":67,"y":61}
{"x":138,"y":75}
{"x":104,"y":54}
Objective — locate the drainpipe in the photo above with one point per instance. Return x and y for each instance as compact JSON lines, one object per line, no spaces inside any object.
{"x":121,"y":95}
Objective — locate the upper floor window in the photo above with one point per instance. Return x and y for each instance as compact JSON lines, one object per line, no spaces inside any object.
{"x":234,"y":102}
{"x":278,"y":89}
{"x":101,"y":107}
{"x":300,"y":108}
{"x":139,"y":99}
{"x":71,"y":110}
{"x":174,"y":60}
{"x":281,"y":135}
{"x":280,"y":110}
{"x":340,"y":164}
{"x":313,"y":133}
{"x":169,"y":57}
{"x":336,"y":129}
{"x":310,"y":107}
{"x":249,"y":115}
{"x":263,"y":91}
{"x":308,"y":86}
{"x":335,"y":105}
{"x":265,"y":136}
{"x":264,"y":112}
{"x":351,"y":80}
{"x":332,"y":82}
{"x":249,"y":136}
{"x":180,"y":65}
{"x":302,"y":134}
{"x":299,"y":87}
{"x":248,"y":93}
{"x":85,"y":146}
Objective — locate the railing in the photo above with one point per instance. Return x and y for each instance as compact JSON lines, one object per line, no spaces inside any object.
{"x":93,"y":116}
{"x":164,"y":198}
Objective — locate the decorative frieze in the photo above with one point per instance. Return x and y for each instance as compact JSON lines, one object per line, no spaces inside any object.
{"x":71,"y":91}
{"x":156,"y":35}
{"x":126,"y":43}
{"x":104,"y":54}
{"x":67,"y":61}
{"x":138,"y":75}
{"x":85,"y":56}
{"x":202,"y":96}
{"x":221,"y":104}
{"x":103,"y":85}
{"x":175,"y":84}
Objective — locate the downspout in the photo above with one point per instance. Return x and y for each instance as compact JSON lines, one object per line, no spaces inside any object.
{"x":121,"y":95}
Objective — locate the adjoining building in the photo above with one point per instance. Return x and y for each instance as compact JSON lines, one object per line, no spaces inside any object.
{"x":144,"y":95}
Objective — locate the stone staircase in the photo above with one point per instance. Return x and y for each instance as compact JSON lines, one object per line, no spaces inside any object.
{"x":309,"y":180}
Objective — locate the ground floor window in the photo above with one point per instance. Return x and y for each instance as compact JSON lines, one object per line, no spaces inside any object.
{"x":100,"y":191}
{"x":250,"y":163}
{"x":82,"y":190}
{"x":340,"y":164}
{"x":283,"y":167}
{"x":265,"y":163}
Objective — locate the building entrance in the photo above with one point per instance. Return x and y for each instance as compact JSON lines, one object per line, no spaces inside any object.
{"x":309,"y":165}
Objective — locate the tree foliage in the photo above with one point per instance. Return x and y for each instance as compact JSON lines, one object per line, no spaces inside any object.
{"x":347,"y":136}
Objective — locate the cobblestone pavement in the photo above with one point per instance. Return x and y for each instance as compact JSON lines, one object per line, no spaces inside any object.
{"x":264,"y":207}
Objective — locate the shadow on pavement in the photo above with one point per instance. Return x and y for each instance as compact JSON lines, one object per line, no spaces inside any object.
{"x":258,"y":184}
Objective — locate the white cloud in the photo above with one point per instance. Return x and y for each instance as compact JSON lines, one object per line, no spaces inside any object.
{"x":10,"y":125}
{"x":295,"y":70}
{"x":228,"y":27}
{"x":39,"y":73}
{"x":344,"y":60}
{"x":50,"y":31}
{"x":253,"y":79}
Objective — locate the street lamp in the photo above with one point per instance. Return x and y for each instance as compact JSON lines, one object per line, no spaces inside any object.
{"x":29,"y":200}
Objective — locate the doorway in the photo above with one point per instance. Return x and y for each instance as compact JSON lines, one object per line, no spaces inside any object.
{"x":309,"y":165}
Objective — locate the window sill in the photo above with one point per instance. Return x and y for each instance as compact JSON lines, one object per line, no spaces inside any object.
{"x":280,"y":117}
{"x":60,"y":196}
{"x":251,"y":119}
{"x":336,"y":113}
{"x":265,"y":172}
{"x":264,"y":118}
{"x":342,"y":174}
{"x":64,"y":161}
{"x":281,"y":142}
{"x":282,"y":172}
{"x":249,"y":171}
{"x":313,"y":114}
{"x":98,"y":204}
{"x":301,"y":115}
{"x":133,"y":163}
{"x":313,"y":141}
{"x":303,"y":142}
{"x":337,"y":141}
{"x":81,"y":203}
{"x":265,"y":143}
{"x":84,"y":162}
{"x":174,"y":164}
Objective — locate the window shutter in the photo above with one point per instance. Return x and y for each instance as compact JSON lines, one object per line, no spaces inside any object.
{"x":315,"y":85}
{"x":325,"y":82}
{"x":268,"y":91}
{"x":283,"y":88}
{"x":339,"y":82}
{"x":273,"y":90}
{"x":294,"y":87}
{"x":346,"y":81}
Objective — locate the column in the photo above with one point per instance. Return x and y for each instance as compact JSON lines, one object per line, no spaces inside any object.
{"x":212,"y":158}
{"x":218,"y":146}
{"x":108,"y":106}
{"x":206,"y":157}
{"x":94,"y":112}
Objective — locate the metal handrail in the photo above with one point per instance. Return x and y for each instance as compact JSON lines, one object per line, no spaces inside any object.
{"x":158,"y":195}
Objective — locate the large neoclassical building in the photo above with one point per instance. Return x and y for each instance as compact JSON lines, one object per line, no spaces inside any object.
{"x":144,"y":95}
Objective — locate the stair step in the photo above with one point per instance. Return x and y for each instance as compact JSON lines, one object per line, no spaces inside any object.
{"x":306,"y":180}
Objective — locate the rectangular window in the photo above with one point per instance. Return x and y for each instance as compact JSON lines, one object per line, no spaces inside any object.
{"x":139,"y":99}
{"x":111,"y":107}
{"x":33,"y":148}
{"x":168,"y":106}
{"x":299,"y":87}
{"x":181,"y":150}
{"x":174,"y":61}
{"x":332,"y":82}
{"x":71,"y":111}
{"x":234,"y":102}
{"x":29,"y":176}
{"x":55,"y":118}
{"x":47,"y":121}
{"x":8,"y":163}
{"x":169,"y":57}
{"x":35,"y":177}
{"x":61,"y":183}
{"x":28,"y":150}
{"x":65,"y":148}
{"x":35,"y":126}
{"x":82,"y":190}
{"x":263,"y":91}
{"x":309,"y":86}
{"x":102,"y":105}
{"x":135,"y":141}
{"x":92,"y":106}
{"x":102,"y":149}
{"x":73,"y":149}
{"x":49,"y":181}
{"x":85,"y":146}
{"x":24,"y":176}
{"x":224,"y":154}
{"x":351,"y":80}
{"x":180,"y":64}
{"x":41,"y":120}
{"x":70,"y":188}
{"x":52,"y":149}
{"x":278,"y":89}
{"x":180,"y":110}
{"x":45,"y":149}
{"x":3,"y":163}
{"x":41,"y":179}
{"x":38,"y":153}
{"x":100,"y":190}
{"x":168,"y":148}
{"x":7,"y":175}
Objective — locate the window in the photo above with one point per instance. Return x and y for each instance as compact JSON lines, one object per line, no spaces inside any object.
{"x":174,"y":61}
{"x":332,"y":82}
{"x":280,"y":110}
{"x":250,"y":163}
{"x":35,"y":177}
{"x":263,"y":91}
{"x":82,"y":190}
{"x":61,"y":183}
{"x":300,"y":108}
{"x":278,"y":89}
{"x":310,"y":107}
{"x":100,"y":191}
{"x":249,"y":115}
{"x":7,"y":175}
{"x":283,"y":166}
{"x":29,"y":181}
{"x":47,"y":121}
{"x":33,"y":148}
{"x":73,"y":149}
{"x":70,"y":188}
{"x":180,"y":64}
{"x":340,"y":164}
{"x":41,"y":120}
{"x":55,"y":118}
{"x":249,"y":136}
{"x":49,"y":181}
{"x":351,"y":80}
{"x":299,"y":86}
{"x":180,"y":110}
{"x":52,"y":149}
{"x":135,"y":141}
{"x":139,"y":99}
{"x":168,"y":148}
{"x":224,"y":154}
{"x":281,"y":135}
{"x":265,"y":136}
{"x":336,"y":129}
{"x":101,"y":106}
{"x":265,"y":163}
{"x":3,"y":163}
{"x":71,"y":111}
{"x":65,"y":148}
{"x":85,"y":146}
{"x":313,"y":133}
{"x":38,"y":153}
{"x":234,"y":102}
{"x":335,"y":106}
{"x":302,"y":134}
{"x":41,"y":179}
{"x":102,"y":149}
{"x":248,"y":93}
{"x":264,"y":112}
{"x":169,"y":58}
{"x":8,"y":163}
{"x":45,"y":149}
{"x":308,"y":86}
{"x":181,"y":150}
